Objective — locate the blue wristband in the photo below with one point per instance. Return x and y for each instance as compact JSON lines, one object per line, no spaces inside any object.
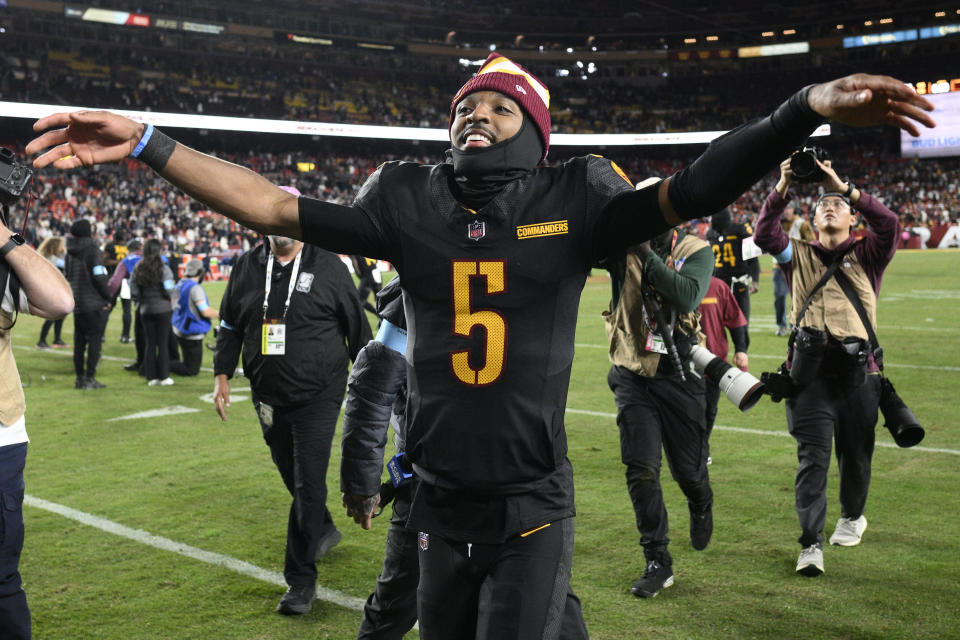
{"x":143,"y":141}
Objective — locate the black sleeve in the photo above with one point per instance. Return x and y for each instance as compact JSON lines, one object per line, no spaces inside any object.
{"x":101,"y":281}
{"x":230,"y":335}
{"x":736,"y":160}
{"x":350,"y":230}
{"x":378,"y":375}
{"x":739,"y":337}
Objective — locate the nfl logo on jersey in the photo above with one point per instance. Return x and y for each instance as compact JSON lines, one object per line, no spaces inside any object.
{"x":476,"y":230}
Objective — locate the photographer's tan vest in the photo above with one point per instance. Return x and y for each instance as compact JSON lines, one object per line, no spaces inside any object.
{"x":626,"y":330}
{"x":12,"y":402}
{"x":830,"y":310}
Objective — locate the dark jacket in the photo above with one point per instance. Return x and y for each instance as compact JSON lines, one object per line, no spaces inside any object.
{"x":376,"y":389}
{"x":87,"y":275}
{"x":325,"y":327}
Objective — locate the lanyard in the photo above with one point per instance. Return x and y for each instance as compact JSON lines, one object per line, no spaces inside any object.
{"x":293,"y":283}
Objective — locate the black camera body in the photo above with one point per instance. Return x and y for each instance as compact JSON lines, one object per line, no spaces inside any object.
{"x":13,"y":177}
{"x":803,"y":164}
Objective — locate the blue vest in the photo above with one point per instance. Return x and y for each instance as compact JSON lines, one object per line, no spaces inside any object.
{"x":131,"y":261}
{"x":183,"y":319}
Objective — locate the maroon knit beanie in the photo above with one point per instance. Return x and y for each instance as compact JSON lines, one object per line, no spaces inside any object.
{"x":499,"y":73}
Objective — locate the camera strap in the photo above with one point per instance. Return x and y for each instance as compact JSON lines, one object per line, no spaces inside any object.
{"x":854,"y":299}
{"x":831,"y":269}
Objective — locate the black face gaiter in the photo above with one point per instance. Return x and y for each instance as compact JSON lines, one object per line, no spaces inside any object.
{"x":480,"y":174}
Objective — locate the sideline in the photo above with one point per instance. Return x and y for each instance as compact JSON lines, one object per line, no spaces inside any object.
{"x":165,"y":544}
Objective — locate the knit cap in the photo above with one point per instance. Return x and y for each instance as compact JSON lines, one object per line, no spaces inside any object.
{"x":499,"y":73}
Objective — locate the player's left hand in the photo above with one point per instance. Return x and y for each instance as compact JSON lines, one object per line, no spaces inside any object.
{"x":740,"y":360}
{"x":863,"y":100}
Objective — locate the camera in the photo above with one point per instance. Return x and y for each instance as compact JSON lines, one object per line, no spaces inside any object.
{"x":13,"y":177}
{"x":741,"y":388}
{"x":803,"y":164}
{"x":899,"y":420}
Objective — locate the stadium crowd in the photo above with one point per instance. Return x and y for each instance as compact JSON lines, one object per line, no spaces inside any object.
{"x":127,"y":200}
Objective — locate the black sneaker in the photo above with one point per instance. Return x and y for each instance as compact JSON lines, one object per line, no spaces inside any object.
{"x":133,"y":366}
{"x":701,"y":528}
{"x":43,"y":346}
{"x":327,"y":542}
{"x":80,"y":383}
{"x":296,"y":601}
{"x":93,"y":383}
{"x":655,"y":578}
{"x":59,"y":344}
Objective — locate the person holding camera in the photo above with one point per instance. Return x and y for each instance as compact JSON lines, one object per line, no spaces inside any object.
{"x":28,"y":283}
{"x":835,"y":282}
{"x":652,"y":323}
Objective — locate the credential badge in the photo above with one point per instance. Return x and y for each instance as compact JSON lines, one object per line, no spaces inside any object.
{"x":304,"y":282}
{"x":476,"y":230}
{"x":424,"y":540}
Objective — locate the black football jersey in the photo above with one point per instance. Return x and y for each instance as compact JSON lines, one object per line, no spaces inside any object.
{"x":728,"y":251}
{"x":491,"y":300}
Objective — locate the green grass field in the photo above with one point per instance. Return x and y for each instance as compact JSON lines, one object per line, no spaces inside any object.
{"x":175,"y":525}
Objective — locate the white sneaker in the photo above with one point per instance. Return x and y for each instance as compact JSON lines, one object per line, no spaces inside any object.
{"x":154,"y":383}
{"x":166,"y":382}
{"x":810,"y":562}
{"x":849,"y":532}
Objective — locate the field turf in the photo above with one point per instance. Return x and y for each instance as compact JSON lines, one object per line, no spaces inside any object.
{"x":174,"y":526}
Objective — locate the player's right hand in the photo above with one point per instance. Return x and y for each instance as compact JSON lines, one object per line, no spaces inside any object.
{"x":361,"y":508}
{"x":221,"y":395}
{"x":85,"y":139}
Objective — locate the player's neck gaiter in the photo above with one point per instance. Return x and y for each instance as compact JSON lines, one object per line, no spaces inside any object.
{"x":480,"y":174}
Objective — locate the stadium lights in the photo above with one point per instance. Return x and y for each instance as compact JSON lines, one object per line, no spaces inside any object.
{"x":941,"y":14}
{"x":689,"y":41}
{"x":569,"y":49}
{"x":493,"y":47}
{"x":789,"y":32}
{"x":712,"y":38}
{"x":768,"y":34}
{"x":886,"y":20}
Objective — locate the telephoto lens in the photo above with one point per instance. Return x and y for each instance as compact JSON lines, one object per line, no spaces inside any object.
{"x":741,"y":388}
{"x":899,"y":419}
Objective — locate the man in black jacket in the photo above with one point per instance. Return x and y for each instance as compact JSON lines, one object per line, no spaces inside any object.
{"x":88,"y":278}
{"x":296,"y":315}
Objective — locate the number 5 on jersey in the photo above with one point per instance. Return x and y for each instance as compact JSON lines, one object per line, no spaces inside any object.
{"x":465,"y":319}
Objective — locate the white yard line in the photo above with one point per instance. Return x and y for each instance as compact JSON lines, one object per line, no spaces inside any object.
{"x":156,"y":413}
{"x":166,"y":544}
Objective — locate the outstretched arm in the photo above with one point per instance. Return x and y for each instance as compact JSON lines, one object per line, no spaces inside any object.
{"x":735,"y":161}
{"x":86,"y":138}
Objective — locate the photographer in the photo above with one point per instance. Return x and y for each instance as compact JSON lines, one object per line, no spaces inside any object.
{"x":656,"y":406}
{"x":28,"y":283}
{"x":835,"y":400}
